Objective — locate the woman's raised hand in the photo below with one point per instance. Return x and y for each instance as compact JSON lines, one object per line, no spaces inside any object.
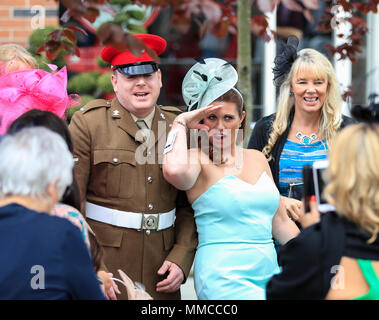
{"x":193,"y":119}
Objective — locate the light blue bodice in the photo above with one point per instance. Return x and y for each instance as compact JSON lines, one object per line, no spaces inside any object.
{"x":235,"y":256}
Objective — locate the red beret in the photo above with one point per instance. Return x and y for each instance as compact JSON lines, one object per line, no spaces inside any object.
{"x":116,"y":57}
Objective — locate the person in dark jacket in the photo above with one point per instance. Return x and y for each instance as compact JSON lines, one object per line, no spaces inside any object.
{"x":336,"y":257}
{"x":42,"y":256}
{"x":307,"y":119}
{"x":69,"y":205}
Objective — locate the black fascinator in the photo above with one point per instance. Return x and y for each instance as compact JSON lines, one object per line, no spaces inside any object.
{"x":285,"y":58}
{"x":368,"y":114}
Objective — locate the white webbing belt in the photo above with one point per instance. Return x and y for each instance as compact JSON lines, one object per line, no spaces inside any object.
{"x":133,"y":220}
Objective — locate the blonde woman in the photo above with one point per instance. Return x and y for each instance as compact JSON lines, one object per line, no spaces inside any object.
{"x":338,"y":258}
{"x":308,"y":117}
{"x":13,"y":57}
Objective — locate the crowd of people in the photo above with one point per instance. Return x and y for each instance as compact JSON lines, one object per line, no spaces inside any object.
{"x":136,"y":190}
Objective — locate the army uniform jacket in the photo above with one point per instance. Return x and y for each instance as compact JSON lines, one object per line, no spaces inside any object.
{"x":116,"y":169}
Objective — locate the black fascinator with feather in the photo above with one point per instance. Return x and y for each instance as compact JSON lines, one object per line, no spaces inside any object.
{"x":287,"y":54}
{"x":369,"y":114}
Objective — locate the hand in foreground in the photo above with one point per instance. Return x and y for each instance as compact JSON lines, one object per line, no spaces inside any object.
{"x":110,"y":287}
{"x":294,"y":208}
{"x":311,"y":217}
{"x":193,"y":118}
{"x":174,"y":279}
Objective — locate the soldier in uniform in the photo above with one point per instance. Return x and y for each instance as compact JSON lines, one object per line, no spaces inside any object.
{"x":145,"y":225}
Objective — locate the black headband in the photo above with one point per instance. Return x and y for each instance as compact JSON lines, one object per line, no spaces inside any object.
{"x":138,"y":68}
{"x":287,"y":54}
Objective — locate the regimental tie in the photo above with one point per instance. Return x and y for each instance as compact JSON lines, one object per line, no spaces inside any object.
{"x":145,"y":129}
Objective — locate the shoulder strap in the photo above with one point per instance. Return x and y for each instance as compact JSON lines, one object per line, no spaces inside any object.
{"x":171,"y":109}
{"x":94,"y":104}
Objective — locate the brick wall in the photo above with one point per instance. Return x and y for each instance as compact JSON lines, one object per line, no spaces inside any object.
{"x":17,"y":20}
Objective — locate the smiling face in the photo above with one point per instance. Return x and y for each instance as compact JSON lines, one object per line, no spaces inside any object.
{"x":137,"y":93}
{"x":310,"y":90}
{"x":223,"y":124}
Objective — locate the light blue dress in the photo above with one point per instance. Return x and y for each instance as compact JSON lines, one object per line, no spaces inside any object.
{"x":235,"y":256}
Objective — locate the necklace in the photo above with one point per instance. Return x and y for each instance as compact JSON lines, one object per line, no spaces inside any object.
{"x":306,"y":139}
{"x":238,"y":166}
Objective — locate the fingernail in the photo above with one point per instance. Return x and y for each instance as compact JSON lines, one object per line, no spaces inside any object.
{"x":312,"y":198}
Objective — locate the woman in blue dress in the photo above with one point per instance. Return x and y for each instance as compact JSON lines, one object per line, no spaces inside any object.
{"x":236,"y":203}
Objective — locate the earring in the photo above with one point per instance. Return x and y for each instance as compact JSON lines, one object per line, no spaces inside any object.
{"x":291,"y":94}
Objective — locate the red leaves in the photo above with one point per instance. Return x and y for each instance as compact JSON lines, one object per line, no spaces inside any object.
{"x":353,"y":45}
{"x":220,"y":29}
{"x":52,"y":49}
{"x":114,"y":35}
{"x":88,"y":9}
{"x":367,"y":6}
{"x":217,"y":17}
{"x":259,"y":25}
{"x":61,"y":39}
{"x":220,"y":22}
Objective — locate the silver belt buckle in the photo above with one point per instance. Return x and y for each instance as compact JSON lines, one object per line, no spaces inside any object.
{"x":150,"y":222}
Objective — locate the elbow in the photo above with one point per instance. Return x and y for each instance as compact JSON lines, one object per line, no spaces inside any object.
{"x":170,"y":172}
{"x":172,"y":175}
{"x":179,"y":176}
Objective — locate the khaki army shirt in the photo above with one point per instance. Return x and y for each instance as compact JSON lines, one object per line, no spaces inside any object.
{"x":117,"y":169}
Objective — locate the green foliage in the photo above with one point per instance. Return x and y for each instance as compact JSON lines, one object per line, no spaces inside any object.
{"x":121,"y":18}
{"x":136,"y":29}
{"x":136,"y":14}
{"x":102,"y":64}
{"x":85,"y":99}
{"x":59,"y":61}
{"x":42,"y":62}
{"x":82,"y":83}
{"x":129,"y":20}
{"x":119,"y":2}
{"x":104,"y":82}
{"x":94,"y":74}
{"x":37,"y":38}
